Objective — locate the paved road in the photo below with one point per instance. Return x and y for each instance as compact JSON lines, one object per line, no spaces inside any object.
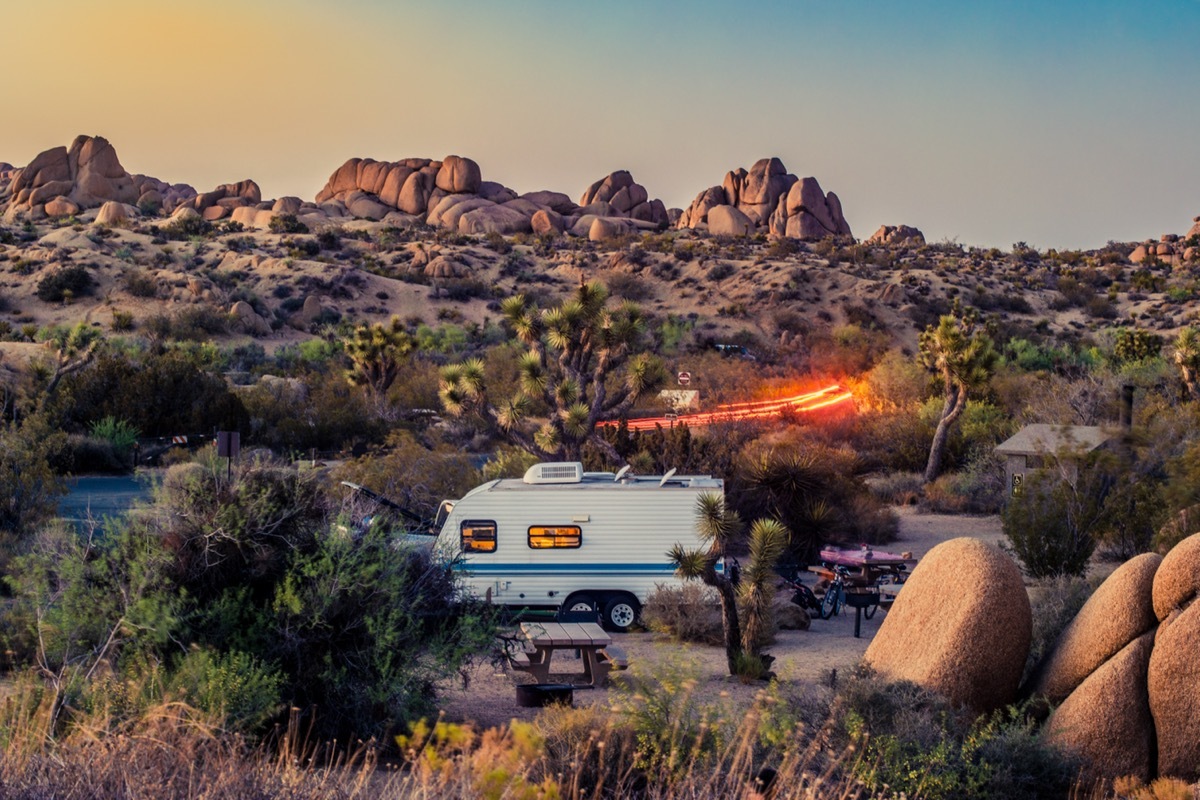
{"x":101,"y":496}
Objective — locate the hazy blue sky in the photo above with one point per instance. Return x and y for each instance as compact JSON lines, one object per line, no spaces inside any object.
{"x":1062,"y":124}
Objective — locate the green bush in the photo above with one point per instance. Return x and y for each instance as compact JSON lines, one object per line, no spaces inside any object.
{"x":235,"y":686}
{"x":287,"y":223}
{"x":72,"y":281}
{"x":1049,"y":524}
{"x":915,"y":743}
{"x":117,"y":432}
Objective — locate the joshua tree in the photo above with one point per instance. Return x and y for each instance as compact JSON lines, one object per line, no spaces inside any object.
{"x":1187,"y":358}
{"x":717,"y":526}
{"x":584,"y":363}
{"x":73,"y":350}
{"x":377,"y":353}
{"x":963,"y":357}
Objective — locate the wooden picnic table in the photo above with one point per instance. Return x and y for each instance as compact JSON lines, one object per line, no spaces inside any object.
{"x":540,"y":640}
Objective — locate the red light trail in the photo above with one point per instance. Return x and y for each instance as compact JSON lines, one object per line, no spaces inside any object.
{"x":736,"y":412}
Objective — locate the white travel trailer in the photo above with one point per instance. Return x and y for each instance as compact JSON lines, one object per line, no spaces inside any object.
{"x":562,"y":538}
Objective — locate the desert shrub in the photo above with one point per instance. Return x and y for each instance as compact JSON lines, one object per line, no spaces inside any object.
{"x":88,"y":454}
{"x":235,"y":687}
{"x":117,"y":432}
{"x":628,"y":286}
{"x":720,"y":271}
{"x":817,"y":492}
{"x":688,"y":613}
{"x":508,"y":462}
{"x":121,"y":321}
{"x":978,"y":488}
{"x":235,"y":533}
{"x":1049,"y":524}
{"x":287,"y":223}
{"x":184,"y":228}
{"x":72,"y":281}
{"x":139,"y":284}
{"x":1136,"y":344}
{"x":1055,"y":602}
{"x":365,"y":629}
{"x":405,"y":471}
{"x":29,"y":488}
{"x":916,"y":744}
{"x":160,"y":394}
{"x":312,"y":411}
{"x":897,"y":488}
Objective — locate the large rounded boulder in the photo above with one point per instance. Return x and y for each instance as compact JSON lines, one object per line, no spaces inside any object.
{"x":961,"y":627}
{"x":1178,"y":579}
{"x":1106,"y":720}
{"x":1119,"y":612}
{"x":1173,"y":681}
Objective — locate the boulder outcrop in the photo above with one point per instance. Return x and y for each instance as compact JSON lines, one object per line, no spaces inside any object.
{"x":961,"y":627}
{"x":728,"y":221}
{"x":896,"y":235}
{"x":1118,"y":612}
{"x":1106,"y":720}
{"x":1173,"y":683}
{"x":619,"y":196}
{"x":1178,"y":579}
{"x":88,"y":174}
{"x":772,"y":199}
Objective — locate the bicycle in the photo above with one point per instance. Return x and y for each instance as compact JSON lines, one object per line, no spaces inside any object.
{"x":835,"y":593}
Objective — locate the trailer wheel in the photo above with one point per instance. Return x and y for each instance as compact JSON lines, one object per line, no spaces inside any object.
{"x":581,"y":602}
{"x":621,"y":612}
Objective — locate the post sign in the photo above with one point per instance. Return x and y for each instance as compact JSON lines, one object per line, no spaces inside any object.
{"x":685,"y":378}
{"x":229,"y":444}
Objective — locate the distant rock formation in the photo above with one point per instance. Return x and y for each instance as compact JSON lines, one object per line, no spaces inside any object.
{"x":1171,"y":248}
{"x":771,"y":198}
{"x":896,"y":235}
{"x":618,"y":195}
{"x":63,"y":181}
{"x":452,"y":194}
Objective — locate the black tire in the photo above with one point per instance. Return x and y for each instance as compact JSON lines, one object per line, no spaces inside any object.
{"x":581,"y":602}
{"x":830,"y":602}
{"x":621,"y":613}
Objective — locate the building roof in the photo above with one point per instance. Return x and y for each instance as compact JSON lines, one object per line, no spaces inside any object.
{"x":1035,"y":440}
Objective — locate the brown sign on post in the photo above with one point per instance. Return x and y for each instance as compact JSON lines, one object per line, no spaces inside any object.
{"x":229,"y":444}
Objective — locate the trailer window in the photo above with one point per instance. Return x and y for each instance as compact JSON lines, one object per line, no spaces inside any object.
{"x":541,"y":536}
{"x":478,"y":536}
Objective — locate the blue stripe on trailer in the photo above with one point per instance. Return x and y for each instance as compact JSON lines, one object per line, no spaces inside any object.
{"x":656,"y":569}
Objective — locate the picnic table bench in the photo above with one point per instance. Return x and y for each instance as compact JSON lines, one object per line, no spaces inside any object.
{"x":533,"y":651}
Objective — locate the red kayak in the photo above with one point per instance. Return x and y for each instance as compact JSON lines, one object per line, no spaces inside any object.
{"x":864,"y":556}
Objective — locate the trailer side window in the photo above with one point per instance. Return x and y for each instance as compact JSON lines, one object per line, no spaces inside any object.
{"x":478,"y":536}
{"x":541,"y":536}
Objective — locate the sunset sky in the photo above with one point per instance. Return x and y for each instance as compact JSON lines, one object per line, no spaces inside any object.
{"x":1062,"y":125}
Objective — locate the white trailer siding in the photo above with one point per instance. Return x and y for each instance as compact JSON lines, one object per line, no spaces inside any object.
{"x":626,"y":530}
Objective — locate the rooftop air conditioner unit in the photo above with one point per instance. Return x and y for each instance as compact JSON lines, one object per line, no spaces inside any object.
{"x":555,"y":472}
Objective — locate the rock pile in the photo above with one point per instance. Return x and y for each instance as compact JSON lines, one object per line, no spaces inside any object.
{"x":1171,"y":248}
{"x":64,"y":181}
{"x":768,"y":197}
{"x":1124,"y":676}
{"x":896,"y":235}
{"x":452,"y":194}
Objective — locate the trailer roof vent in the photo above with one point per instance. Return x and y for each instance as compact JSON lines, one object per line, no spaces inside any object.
{"x":555,"y":472}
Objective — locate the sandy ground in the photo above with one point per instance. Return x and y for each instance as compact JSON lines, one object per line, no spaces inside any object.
{"x":810,"y":656}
